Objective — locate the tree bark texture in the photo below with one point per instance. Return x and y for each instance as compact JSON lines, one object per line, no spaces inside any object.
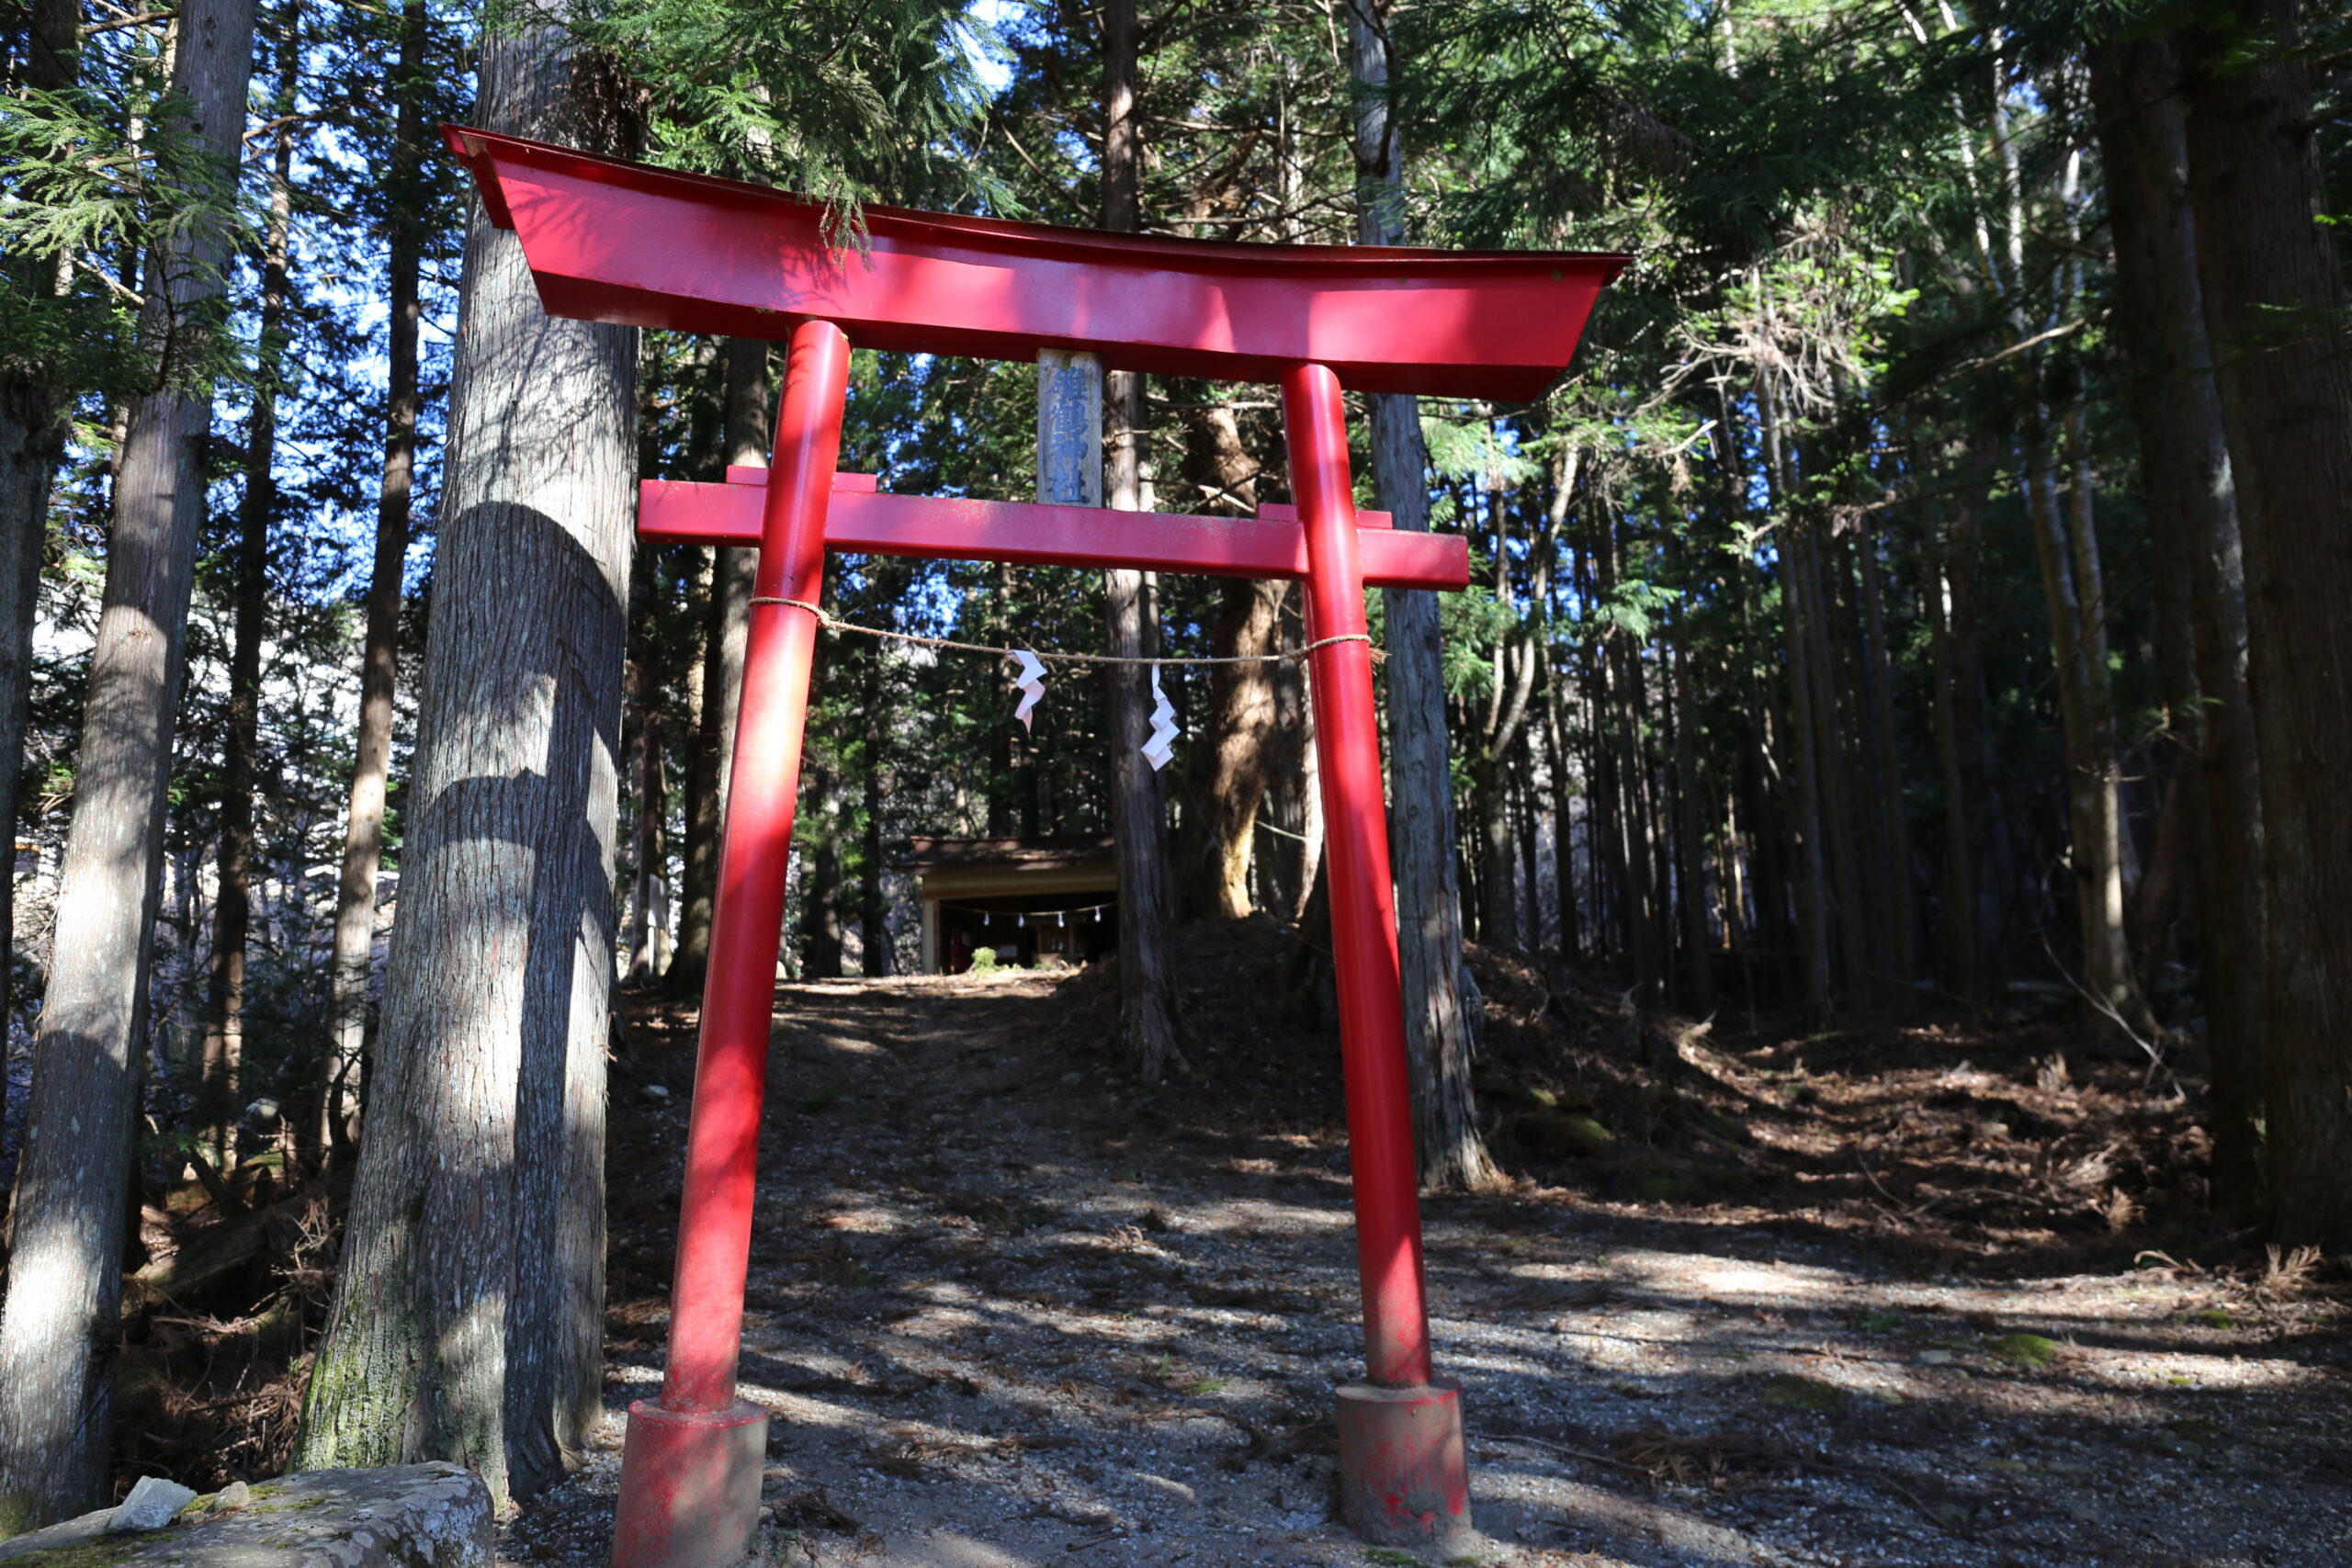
{"x":2275,"y":304}
{"x":1689,"y":838}
{"x":2142,"y":125}
{"x":722,"y":672}
{"x":649,"y":898}
{"x":58,"y":1327}
{"x":33,"y":443}
{"x":1991,"y":846}
{"x":1956,"y":937}
{"x":820,"y":900}
{"x":873,"y":907}
{"x":1420,"y":807}
{"x":467,"y":1315}
{"x":1148,"y":1015}
{"x":1570,"y":947}
{"x":1232,"y":759}
{"x":363,"y":845}
{"x":698,"y":810}
{"x":1796,"y":641}
{"x":1494,"y":736}
{"x":1295,"y":796}
{"x":249,"y":566}
{"x":2074,"y":592}
{"x":1490,"y":770}
{"x":1841,"y":827}
{"x":1895,"y":821}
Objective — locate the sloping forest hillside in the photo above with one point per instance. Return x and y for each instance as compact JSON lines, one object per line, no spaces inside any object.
{"x":1885,"y":773}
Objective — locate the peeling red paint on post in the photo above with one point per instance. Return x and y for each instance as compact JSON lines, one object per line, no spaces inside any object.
{"x":1404,"y":1472}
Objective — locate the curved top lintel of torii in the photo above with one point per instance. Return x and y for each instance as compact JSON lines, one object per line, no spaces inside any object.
{"x":611,"y":241}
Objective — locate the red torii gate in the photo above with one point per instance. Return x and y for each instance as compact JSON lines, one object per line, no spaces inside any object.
{"x":613,"y":242}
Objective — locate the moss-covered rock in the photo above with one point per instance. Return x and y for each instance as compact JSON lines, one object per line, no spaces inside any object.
{"x":416,"y":1516}
{"x":2030,"y":1351}
{"x":1787,"y":1391}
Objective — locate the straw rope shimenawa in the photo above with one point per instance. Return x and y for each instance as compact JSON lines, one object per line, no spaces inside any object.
{"x":1378,"y":653}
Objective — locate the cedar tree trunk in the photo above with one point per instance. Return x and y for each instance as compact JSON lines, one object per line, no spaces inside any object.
{"x":363,"y":845}
{"x":2275,"y":304}
{"x":468,"y":1317}
{"x":1147,"y":1022}
{"x":729,"y":622}
{"x":1420,"y":810}
{"x":32,"y":441}
{"x":58,"y":1328}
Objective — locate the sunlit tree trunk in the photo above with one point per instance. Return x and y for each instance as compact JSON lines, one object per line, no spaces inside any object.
{"x":1307,"y":789}
{"x":65,"y":1268}
{"x":1147,"y":1016}
{"x":697,"y":808}
{"x":1491,"y":744}
{"x":33,"y":443}
{"x":650,"y":896}
{"x":1420,"y":822}
{"x":1232,"y":756}
{"x":820,"y":901}
{"x":1992,"y":845}
{"x":467,"y":1323}
{"x":1527,"y":827}
{"x":2075,"y":593}
{"x":726,"y":623}
{"x":873,"y":909}
{"x":1614,"y":936}
{"x":363,"y":851}
{"x":1765,"y":930}
{"x":1625,"y":717}
{"x":249,"y":574}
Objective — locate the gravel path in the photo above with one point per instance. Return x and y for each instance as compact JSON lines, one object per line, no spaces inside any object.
{"x":1009,"y":1313}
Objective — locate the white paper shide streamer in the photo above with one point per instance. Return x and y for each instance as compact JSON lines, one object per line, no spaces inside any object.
{"x":1162,"y":744}
{"x":1031,"y":679}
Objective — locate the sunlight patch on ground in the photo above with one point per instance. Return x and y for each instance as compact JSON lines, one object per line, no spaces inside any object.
{"x":1040,"y":1335}
{"x":949,"y":1548}
{"x":802,"y":1410}
{"x":936,"y":1324}
{"x":1264,"y":1213}
{"x":1728,"y":1281}
{"x":2186,"y":1370}
{"x":848,"y":1045}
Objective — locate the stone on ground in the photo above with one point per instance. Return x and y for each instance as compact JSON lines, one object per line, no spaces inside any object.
{"x":153,"y":1504}
{"x":412,"y":1515}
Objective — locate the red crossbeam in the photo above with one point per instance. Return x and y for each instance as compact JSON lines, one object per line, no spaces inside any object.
{"x":862,"y":522}
{"x":612,"y":241}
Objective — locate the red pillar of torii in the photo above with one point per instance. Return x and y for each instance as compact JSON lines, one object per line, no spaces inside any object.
{"x":615,"y":242}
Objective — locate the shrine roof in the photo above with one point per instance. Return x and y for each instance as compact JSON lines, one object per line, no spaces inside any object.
{"x":1055,"y":849}
{"x":618,"y":241}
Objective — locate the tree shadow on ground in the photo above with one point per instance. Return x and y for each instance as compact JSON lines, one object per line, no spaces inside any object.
{"x":1008,"y":1310}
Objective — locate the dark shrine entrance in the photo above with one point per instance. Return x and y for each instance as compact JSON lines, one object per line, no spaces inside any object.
{"x":1039,"y":901}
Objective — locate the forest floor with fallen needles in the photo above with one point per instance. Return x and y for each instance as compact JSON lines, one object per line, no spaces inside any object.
{"x":1936,"y":1295}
